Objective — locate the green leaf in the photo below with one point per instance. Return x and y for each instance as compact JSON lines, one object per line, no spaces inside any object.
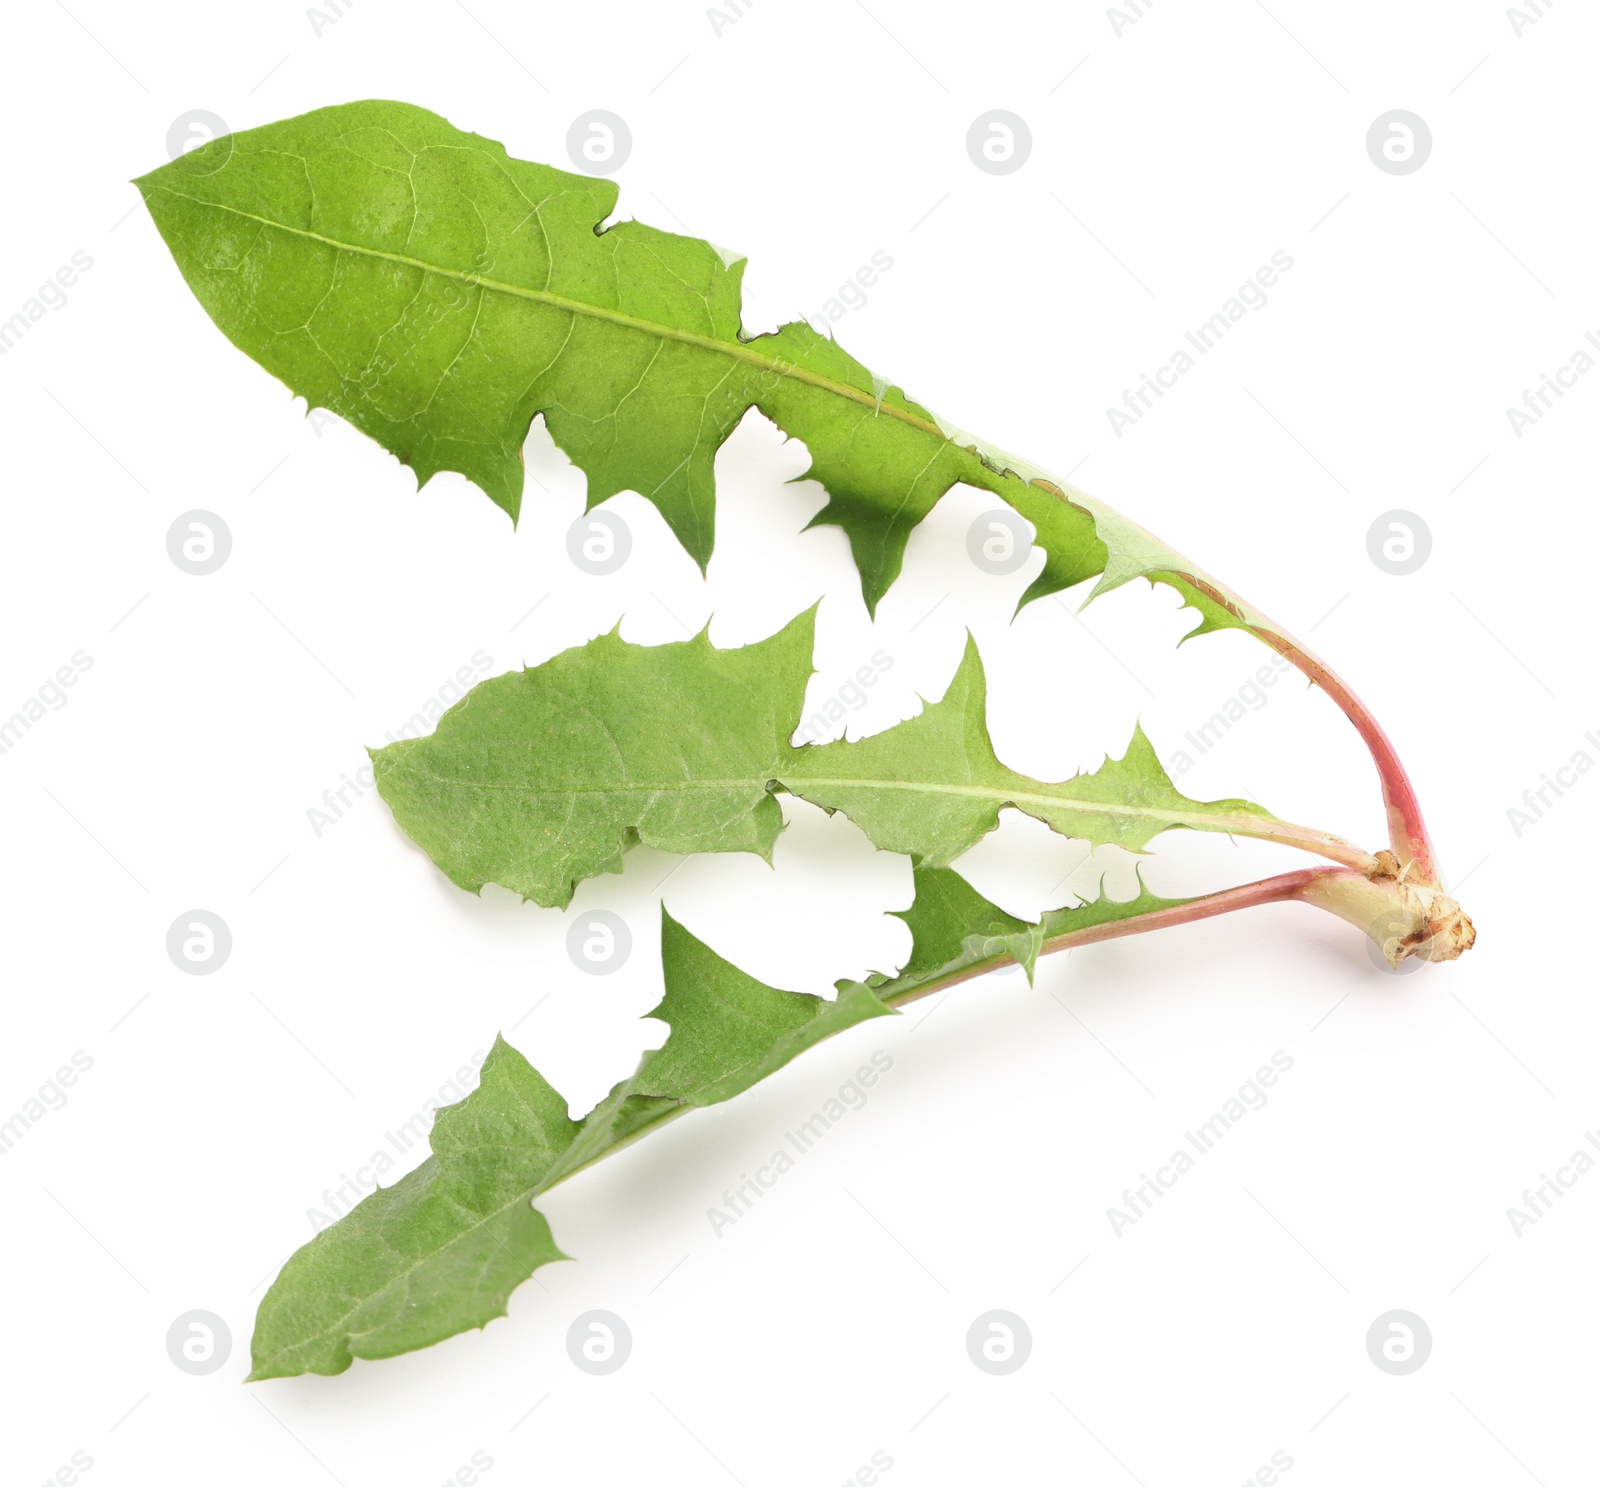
{"x":730,"y":1031}
{"x":957,"y":933}
{"x":441,"y":1251}
{"x":954,"y":927}
{"x":545,"y":777}
{"x":438,"y":294}
{"x":541,"y":778}
{"x":932,"y":787}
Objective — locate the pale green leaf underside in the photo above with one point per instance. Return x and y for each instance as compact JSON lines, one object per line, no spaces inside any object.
{"x":439,"y":294}
{"x":956,"y":932}
{"x":544,"y":781}
{"x":953,"y":927}
{"x":441,"y":1250}
{"x":541,"y":778}
{"x":729,"y":1031}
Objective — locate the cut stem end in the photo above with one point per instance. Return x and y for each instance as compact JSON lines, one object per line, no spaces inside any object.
{"x":1403,"y":915}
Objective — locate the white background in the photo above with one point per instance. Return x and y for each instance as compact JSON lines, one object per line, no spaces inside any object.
{"x":1168,"y":163}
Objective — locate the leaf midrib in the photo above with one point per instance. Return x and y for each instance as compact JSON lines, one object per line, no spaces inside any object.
{"x":737,"y":350}
{"x":950,"y":973}
{"x":553,"y":1177}
{"x":523,"y":1199}
{"x":797,"y":783}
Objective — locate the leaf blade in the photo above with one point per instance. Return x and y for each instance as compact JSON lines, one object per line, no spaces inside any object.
{"x":541,"y":778}
{"x":548,"y":776}
{"x":440,"y":1251}
{"x":439,"y":324}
